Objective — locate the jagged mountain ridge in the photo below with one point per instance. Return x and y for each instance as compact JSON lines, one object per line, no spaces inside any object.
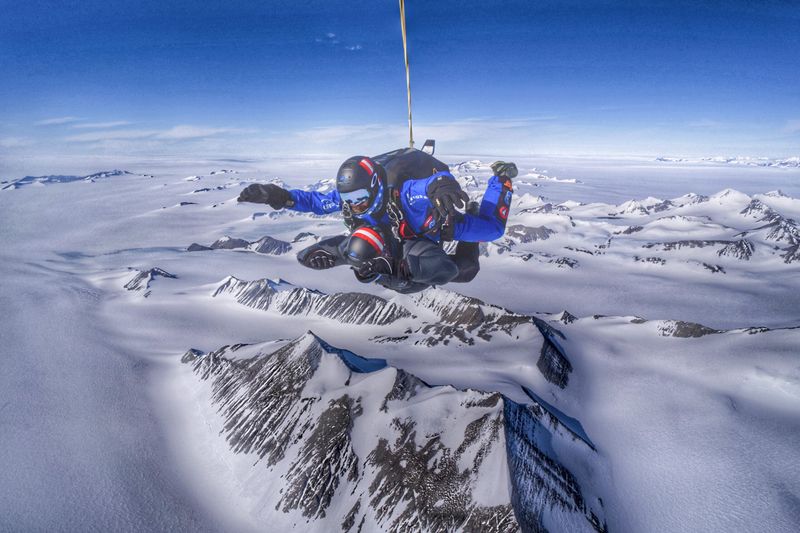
{"x":352,"y":455}
{"x":47,"y":180}
{"x":287,"y":299}
{"x":441,"y":317}
{"x":264,"y":245}
{"x":142,"y":279}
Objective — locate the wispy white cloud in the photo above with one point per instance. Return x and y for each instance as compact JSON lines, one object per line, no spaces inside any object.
{"x":194,"y":132}
{"x":14,"y":142}
{"x":56,"y":121}
{"x":99,"y":125}
{"x":705,"y":123}
{"x":98,"y":136}
{"x":792,"y":126}
{"x":332,"y":40}
{"x":176,"y":133}
{"x":460,"y":130}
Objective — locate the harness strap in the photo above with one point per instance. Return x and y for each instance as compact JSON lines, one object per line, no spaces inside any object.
{"x":401,"y":229}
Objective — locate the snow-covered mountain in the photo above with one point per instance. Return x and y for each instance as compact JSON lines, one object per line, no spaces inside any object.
{"x":789,"y":162}
{"x":362,"y":446}
{"x":47,"y":180}
{"x":664,"y":399}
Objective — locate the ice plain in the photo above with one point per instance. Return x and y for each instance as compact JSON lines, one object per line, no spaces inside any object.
{"x":695,"y":429}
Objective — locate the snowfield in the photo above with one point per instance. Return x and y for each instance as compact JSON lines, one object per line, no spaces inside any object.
{"x":627,"y":359}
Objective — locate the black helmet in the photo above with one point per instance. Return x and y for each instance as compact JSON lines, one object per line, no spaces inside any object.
{"x":360,"y":182}
{"x":365,"y":243}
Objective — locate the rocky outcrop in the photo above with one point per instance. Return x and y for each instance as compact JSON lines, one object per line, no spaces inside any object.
{"x":757,"y":208}
{"x":553,"y":362}
{"x":268,"y":245}
{"x":264,"y":245}
{"x":341,"y":429}
{"x":461,"y":318}
{"x":229,"y":243}
{"x":679,"y":328}
{"x":287,"y":299}
{"x":526,"y":234}
{"x":741,"y":249}
{"x":141,"y":281}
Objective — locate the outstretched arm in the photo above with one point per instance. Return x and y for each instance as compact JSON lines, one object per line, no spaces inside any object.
{"x":316,"y":202}
{"x":297,"y":200}
{"x":490,"y":222}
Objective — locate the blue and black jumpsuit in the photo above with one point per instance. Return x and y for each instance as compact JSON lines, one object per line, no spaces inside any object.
{"x":422,"y":231}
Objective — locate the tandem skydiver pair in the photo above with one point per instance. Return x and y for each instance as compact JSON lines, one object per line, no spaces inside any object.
{"x":400,"y":208}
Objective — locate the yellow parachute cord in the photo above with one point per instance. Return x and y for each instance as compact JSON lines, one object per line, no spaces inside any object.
{"x":408,"y":76}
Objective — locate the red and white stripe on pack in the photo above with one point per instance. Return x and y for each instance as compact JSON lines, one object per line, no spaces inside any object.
{"x":371,"y":236}
{"x":366,"y":164}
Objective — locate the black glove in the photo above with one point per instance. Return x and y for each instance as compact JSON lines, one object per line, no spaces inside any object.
{"x":369,"y":270}
{"x":271,"y":194}
{"x":374,"y":267}
{"x":320,"y":260}
{"x":445,"y":194}
{"x":504,"y":169}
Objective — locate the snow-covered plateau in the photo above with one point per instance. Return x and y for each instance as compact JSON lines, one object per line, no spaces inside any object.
{"x":627,"y":359}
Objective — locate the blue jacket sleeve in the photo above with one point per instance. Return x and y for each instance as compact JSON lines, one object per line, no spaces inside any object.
{"x":490,"y":223}
{"x":316,"y":202}
{"x":416,"y":203}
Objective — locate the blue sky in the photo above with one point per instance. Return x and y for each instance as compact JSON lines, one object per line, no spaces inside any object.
{"x":258,"y":78}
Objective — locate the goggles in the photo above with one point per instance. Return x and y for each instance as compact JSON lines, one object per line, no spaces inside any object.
{"x":357,"y":200}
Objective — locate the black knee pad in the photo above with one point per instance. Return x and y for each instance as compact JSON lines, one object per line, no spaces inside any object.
{"x":466,"y":258}
{"x":428,"y":263}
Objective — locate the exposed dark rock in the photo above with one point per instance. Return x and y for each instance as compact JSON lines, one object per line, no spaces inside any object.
{"x":653,"y":260}
{"x":287,"y":299}
{"x":631,"y":229}
{"x":462,"y":318}
{"x":141,"y":281}
{"x":631,"y":207}
{"x":782,"y":230}
{"x":303,"y":236}
{"x":194,"y":247}
{"x":741,"y":249}
{"x":581,"y":250}
{"x":757,"y":208}
{"x":525,"y":234}
{"x":107,"y":174}
{"x":716,"y":269}
{"x":566,"y":317}
{"x":792,"y":254}
{"x":534,"y":472}
{"x":309,"y":487}
{"x":553,"y":362}
{"x":45,"y":180}
{"x":276,"y":409}
{"x":662,"y":206}
{"x":191,"y":355}
{"x":265,"y":245}
{"x":677,"y":245}
{"x":565,"y":262}
{"x":229,"y":243}
{"x":679,"y":328}
{"x":544,"y":208}
{"x":756,"y":330}
{"x":499,"y":247}
{"x":268,"y":245}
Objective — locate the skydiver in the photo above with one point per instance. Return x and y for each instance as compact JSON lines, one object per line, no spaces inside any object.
{"x":400,"y":207}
